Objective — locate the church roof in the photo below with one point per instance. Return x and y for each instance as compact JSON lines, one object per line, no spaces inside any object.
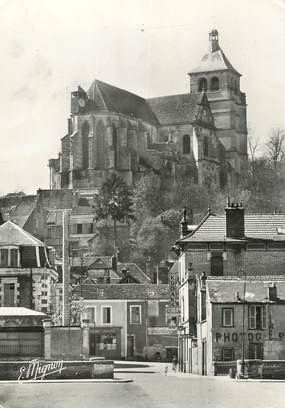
{"x":176,"y":108}
{"x":118,"y":100}
{"x":214,"y":61}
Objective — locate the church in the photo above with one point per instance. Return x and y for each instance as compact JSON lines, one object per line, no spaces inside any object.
{"x":200,"y":135}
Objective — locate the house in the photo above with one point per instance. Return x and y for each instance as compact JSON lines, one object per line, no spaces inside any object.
{"x":237,"y":319}
{"x":229,"y":245}
{"x":27,"y":274}
{"x":129,"y":321}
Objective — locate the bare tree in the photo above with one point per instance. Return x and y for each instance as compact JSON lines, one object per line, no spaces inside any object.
{"x":253,"y":147}
{"x":275,"y":146}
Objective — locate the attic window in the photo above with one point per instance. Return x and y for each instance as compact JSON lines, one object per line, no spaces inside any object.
{"x":150,"y":293}
{"x":280,"y":231}
{"x":100,"y":292}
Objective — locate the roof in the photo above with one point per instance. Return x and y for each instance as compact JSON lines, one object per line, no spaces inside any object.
{"x":176,"y":108}
{"x":214,"y":61}
{"x":134,"y":271}
{"x":111,"y":98}
{"x":123,"y":291}
{"x":19,"y":311}
{"x":11,"y":233}
{"x":24,"y":209}
{"x":225,"y":290}
{"x":257,"y":226}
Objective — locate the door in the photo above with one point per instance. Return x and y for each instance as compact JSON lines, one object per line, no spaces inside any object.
{"x":130,"y":345}
{"x":92,"y":344}
{"x":204,"y":358}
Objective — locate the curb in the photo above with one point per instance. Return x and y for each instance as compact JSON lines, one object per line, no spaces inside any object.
{"x":81,"y":381}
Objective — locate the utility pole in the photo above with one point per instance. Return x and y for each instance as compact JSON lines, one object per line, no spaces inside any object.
{"x":65,"y":270}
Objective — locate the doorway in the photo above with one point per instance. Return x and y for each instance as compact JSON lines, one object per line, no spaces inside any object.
{"x":130,"y":346}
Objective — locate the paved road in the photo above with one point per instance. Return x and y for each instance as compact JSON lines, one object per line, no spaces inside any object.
{"x":148,"y":390}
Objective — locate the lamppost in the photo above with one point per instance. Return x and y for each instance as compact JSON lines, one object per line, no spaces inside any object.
{"x":242,"y":272}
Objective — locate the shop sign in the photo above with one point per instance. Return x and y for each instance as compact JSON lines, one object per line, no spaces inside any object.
{"x":172,"y":310}
{"x":160,"y":331}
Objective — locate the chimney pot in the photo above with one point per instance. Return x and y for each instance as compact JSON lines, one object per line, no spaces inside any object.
{"x":234,"y":221}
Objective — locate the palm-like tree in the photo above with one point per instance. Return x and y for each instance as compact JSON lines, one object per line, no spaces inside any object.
{"x":114,"y":200}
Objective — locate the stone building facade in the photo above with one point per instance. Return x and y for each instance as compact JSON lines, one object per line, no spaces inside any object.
{"x":200,"y":135}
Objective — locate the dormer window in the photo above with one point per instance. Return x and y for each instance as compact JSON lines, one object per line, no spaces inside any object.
{"x":203,"y":85}
{"x":272,"y":293}
{"x":215,"y":84}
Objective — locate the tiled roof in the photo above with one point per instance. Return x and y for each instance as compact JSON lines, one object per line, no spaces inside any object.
{"x":134,"y":271}
{"x":19,"y":311}
{"x":175,"y":108}
{"x":24,"y":209}
{"x":123,"y":291}
{"x":11,"y":233}
{"x":111,"y":98}
{"x":257,"y":226}
{"x":226,"y":290}
{"x":215,"y":61}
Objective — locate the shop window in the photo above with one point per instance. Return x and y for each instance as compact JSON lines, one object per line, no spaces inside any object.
{"x":228,"y":354}
{"x":106,"y":315}
{"x":227,"y":317}
{"x":255,"y":351}
{"x":3,"y":257}
{"x":217,"y":264}
{"x":107,"y":342}
{"x":186,"y":144}
{"x":203,"y":85}
{"x":257,"y":317}
{"x":135,"y":314}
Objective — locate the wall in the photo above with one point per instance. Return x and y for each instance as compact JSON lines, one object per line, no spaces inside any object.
{"x":66,"y":342}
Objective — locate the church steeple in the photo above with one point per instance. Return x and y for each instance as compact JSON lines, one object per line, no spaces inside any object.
{"x":213,"y":41}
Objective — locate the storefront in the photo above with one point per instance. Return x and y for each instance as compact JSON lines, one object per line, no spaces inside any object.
{"x":105,"y":342}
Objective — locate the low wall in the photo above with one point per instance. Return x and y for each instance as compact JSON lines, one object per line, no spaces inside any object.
{"x":270,"y":369}
{"x":66,"y":343}
{"x":50,"y":370}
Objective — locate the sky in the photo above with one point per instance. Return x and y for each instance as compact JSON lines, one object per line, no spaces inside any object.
{"x":48,"y":47}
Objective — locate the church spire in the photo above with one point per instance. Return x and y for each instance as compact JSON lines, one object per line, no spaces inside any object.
{"x":213,"y":41}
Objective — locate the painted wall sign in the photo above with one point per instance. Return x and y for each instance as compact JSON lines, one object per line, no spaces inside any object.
{"x":234,"y":336}
{"x":156,"y":331}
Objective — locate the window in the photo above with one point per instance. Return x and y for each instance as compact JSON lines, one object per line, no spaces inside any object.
{"x":79,"y":228}
{"x":44,"y":301}
{"x":49,"y":232}
{"x":203,"y":85}
{"x":153,"y":308}
{"x":13,"y":257}
{"x":115,"y":146}
{"x":215,"y":84}
{"x":255,"y":351}
{"x":85,"y":148}
{"x":44,"y":293}
{"x":135,"y":314}
{"x":186,"y":144}
{"x":44,"y":309}
{"x":106,"y":315}
{"x":227,"y":317}
{"x":228,"y":354}
{"x":257,"y":317}
{"x":3,"y":257}
{"x":91,"y":313}
{"x":206,"y":147}
{"x":217,"y":264}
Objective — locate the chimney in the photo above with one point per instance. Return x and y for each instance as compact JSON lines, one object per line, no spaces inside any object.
{"x":184,"y":224}
{"x":213,"y":41}
{"x":234,"y":220}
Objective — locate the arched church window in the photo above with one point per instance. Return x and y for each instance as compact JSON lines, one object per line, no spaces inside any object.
{"x":186,"y":144}
{"x":215,"y":84}
{"x":206,"y":146}
{"x":85,"y":145}
{"x":115,"y":146}
{"x":203,"y":84}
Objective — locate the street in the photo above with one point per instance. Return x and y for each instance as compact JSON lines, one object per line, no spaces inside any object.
{"x":150,"y":388}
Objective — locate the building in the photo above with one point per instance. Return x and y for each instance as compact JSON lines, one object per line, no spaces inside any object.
{"x":129,"y":321}
{"x":238,"y":319}
{"x":200,"y":134}
{"x":223,"y":246}
{"x":27,"y":275}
